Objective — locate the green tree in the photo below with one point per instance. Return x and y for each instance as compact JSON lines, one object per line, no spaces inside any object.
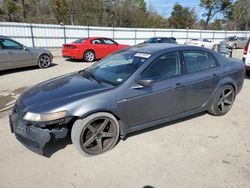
{"x":240,"y":14}
{"x":11,"y":8}
{"x":217,"y":24}
{"x":182,"y":17}
{"x":214,"y":7}
{"x":61,"y":10}
{"x":157,"y":21}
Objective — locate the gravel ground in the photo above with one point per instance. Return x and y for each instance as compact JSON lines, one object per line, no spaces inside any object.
{"x":199,"y":151}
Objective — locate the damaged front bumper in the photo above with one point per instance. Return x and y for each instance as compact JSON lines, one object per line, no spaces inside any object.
{"x":35,"y":137}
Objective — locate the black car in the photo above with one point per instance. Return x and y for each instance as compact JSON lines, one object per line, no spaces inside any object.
{"x":130,"y":90}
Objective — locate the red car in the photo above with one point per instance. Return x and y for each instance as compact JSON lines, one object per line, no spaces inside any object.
{"x":91,"y":48}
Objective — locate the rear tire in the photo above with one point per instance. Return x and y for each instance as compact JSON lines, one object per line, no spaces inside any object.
{"x":44,"y":61}
{"x":223,"y":101}
{"x":89,"y":56}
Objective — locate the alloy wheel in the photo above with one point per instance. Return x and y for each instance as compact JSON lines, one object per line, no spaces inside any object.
{"x":226,"y":100}
{"x":99,"y":136}
{"x":89,"y":56}
{"x":44,"y":61}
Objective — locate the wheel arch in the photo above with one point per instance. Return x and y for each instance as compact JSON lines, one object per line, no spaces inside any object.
{"x":88,"y":49}
{"x":38,"y":57}
{"x":122,"y":125}
{"x":228,"y":81}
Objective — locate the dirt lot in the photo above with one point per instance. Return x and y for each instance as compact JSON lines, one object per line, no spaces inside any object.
{"x":200,"y":151}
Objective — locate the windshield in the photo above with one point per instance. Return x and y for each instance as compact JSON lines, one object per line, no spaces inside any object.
{"x":79,"y":40}
{"x":117,"y":68}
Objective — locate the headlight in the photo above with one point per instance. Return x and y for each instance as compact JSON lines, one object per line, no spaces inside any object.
{"x":29,"y":116}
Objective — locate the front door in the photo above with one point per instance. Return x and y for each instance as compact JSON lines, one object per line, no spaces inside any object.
{"x":164,"y":98}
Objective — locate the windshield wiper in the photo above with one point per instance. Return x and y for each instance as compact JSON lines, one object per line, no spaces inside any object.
{"x":88,"y":75}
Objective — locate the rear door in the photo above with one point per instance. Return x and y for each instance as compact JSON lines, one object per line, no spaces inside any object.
{"x":203,"y":76}
{"x":111,"y":45}
{"x":18,"y":56}
{"x":99,"y":47}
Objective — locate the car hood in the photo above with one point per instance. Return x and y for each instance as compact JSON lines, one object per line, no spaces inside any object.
{"x":60,"y":89}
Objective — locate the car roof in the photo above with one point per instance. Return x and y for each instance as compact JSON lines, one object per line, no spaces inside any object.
{"x":153,"y":48}
{"x":92,"y":38}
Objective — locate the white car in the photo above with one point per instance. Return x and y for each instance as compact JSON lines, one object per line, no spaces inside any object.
{"x":202,"y":42}
{"x":246,"y":57}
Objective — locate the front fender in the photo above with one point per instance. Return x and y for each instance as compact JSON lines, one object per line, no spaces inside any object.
{"x":91,"y":105}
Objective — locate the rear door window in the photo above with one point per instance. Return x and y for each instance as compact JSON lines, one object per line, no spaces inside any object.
{"x":96,"y":41}
{"x":108,"y":41}
{"x":211,"y":60}
{"x":195,"y":61}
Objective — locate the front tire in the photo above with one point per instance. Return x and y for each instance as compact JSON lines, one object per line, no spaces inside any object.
{"x":89,"y":56}
{"x":223,"y":101}
{"x":95,"y":134}
{"x":44,"y":61}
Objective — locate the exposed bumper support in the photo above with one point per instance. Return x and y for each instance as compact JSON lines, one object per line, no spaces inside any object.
{"x":33,"y":137}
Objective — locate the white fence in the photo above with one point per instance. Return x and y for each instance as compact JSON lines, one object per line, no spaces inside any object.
{"x":53,"y":36}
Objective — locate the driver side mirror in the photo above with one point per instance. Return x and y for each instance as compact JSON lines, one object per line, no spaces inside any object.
{"x":143,"y":83}
{"x":25,"y":48}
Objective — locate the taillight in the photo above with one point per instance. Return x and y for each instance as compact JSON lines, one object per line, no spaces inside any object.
{"x":245,"y":50}
{"x":72,"y":47}
{"x":69,"y":46}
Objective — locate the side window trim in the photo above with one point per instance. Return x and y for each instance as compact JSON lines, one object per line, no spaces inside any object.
{"x":155,"y":61}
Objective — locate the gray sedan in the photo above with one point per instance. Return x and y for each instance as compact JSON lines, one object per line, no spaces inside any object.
{"x":130,"y":90}
{"x":235,"y":42}
{"x":15,"y":55}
